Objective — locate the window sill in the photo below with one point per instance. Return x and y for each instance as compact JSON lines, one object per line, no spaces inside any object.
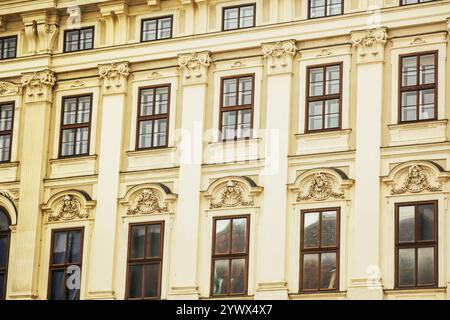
{"x":73,"y":159}
{"x":416,"y":293}
{"x":243,"y":297}
{"x":9,"y":164}
{"x":318,"y":295}
{"x":417,"y":132}
{"x":237,"y":141}
{"x":149,"y":151}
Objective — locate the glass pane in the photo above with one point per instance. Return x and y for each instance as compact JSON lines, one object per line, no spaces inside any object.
{"x":145,"y":134}
{"x":315,"y":115}
{"x":3,"y":251}
{"x":237,"y":276}
{"x":406,"y":267}
{"x":409,"y":106}
{"x":427,"y":68}
{"x":9,"y":48}
{"x":81,"y":144}
{"x":311,"y":230}
{"x":332,"y":113}
{"x":245,"y":90}
{"x":68,"y":142}
{"x":409,"y":71}
{"x":151,"y":285}
{"x":147,"y":102}
{"x":159,"y":134}
{"x":5,"y":143}
{"x":316,"y":82}
{"x":228,"y":124}
{"x":84,"y":108}
{"x":329,"y":228}
{"x":317,"y":8}
{"x":425,"y":266}
{"x":334,"y":7}
{"x":57,"y":285}
{"x":328,"y":272}
{"x":59,"y":247}
{"x":135,"y":281}
{"x":221,"y":275}
{"x":137,"y":242}
{"x":4,"y":221}
{"x":6,"y":113}
{"x":153,"y":240}
{"x":74,"y":247}
{"x":239,"y":237}
{"x":222,"y":244}
{"x":426,"y":222}
{"x":310,"y":272}
{"x":231,"y":19}
{"x":426,"y":106}
{"x":229,"y":92}
{"x":86,"y":39}
{"x":162,"y":97}
{"x":165,"y":28}
{"x":70,"y":111}
{"x":246,"y":19}
{"x":332,"y":82}
{"x":244,"y":124}
{"x":72,"y":40}
{"x":72,"y":284}
{"x":406,"y":224}
{"x":2,"y":285}
{"x":149,"y":30}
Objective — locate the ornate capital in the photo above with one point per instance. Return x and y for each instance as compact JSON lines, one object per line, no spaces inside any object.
{"x":370,"y":44}
{"x":114,"y":76}
{"x":280,"y":55}
{"x":38,"y":85}
{"x":9,"y":88}
{"x":194,"y":67}
{"x":415,"y":180}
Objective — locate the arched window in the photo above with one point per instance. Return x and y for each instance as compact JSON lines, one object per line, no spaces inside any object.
{"x":4,"y":251}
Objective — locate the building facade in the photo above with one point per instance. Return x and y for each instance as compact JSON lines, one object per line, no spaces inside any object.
{"x":194,"y":149}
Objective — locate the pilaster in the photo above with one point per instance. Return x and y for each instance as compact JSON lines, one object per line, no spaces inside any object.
{"x":115,"y":15}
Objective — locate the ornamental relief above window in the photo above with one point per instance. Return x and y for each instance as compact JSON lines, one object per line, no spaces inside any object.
{"x":68,"y":205}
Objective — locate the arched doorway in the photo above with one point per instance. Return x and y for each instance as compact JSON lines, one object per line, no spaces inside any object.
{"x":4,"y":250}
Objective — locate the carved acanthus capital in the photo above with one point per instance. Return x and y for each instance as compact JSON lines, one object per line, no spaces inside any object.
{"x":9,"y":88}
{"x":114,"y":76}
{"x":194,"y":66}
{"x":321,"y":187}
{"x":370,"y":44}
{"x":280,"y":55}
{"x":415,"y":180}
{"x":38,"y":85}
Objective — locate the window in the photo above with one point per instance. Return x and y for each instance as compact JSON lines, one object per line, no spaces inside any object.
{"x":156,"y":29}
{"x":406,"y":2}
{"x":230,"y":256}
{"x":153,"y":117}
{"x":320,"y":250}
{"x":8,"y":47}
{"x":416,"y":245}
{"x":6,"y":128}
{"x":79,"y":39}
{"x":145,"y":256}
{"x":325,"y":8}
{"x":239,"y":17}
{"x":323,"y":102}
{"x":418,"y":87}
{"x":65,"y":264}
{"x":75,"y":125}
{"x":236,"y":107}
{"x":4,"y":251}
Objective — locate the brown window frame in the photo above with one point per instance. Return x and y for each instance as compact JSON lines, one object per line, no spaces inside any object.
{"x":417,"y":244}
{"x":417,"y":88}
{"x":75,"y":126}
{"x":153,"y":117}
{"x":239,"y":16}
{"x":145,"y":261}
{"x":143,"y":21}
{"x":79,"y":39}
{"x":402,"y":2}
{"x":64,"y":266}
{"x":11,"y":131}
{"x":237,"y":107}
{"x":2,"y":39}
{"x":4,"y":271}
{"x":323,"y":97}
{"x":320,"y":250}
{"x":326,"y":6}
{"x":230,"y":256}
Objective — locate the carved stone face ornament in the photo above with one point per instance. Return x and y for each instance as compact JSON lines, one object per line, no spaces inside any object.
{"x":232,"y":196}
{"x":69,"y":210}
{"x":320,"y":188}
{"x":147,"y":202}
{"x":415,"y":181}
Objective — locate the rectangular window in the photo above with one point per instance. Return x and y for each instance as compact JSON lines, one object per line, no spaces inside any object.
{"x":323,"y":97}
{"x":156,"y":28}
{"x":65,"y":264}
{"x":229,"y":273}
{"x":325,"y":8}
{"x":320,"y":250}
{"x":6,"y":129}
{"x":75,"y":125}
{"x":239,"y":17}
{"x":8,"y":47}
{"x":79,"y":39}
{"x":406,"y":2}
{"x":416,"y":245}
{"x":153,"y":117}
{"x":4,"y":252}
{"x":236,"y":107}
{"x":418,"y":87}
{"x":145,"y":256}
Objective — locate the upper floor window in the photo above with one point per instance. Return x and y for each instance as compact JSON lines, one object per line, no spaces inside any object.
{"x":156,"y":28}
{"x":4,"y":251}
{"x":325,"y":8}
{"x":6,"y":127}
{"x":65,"y":261}
{"x":230,"y":256}
{"x":75,"y":126}
{"x":323,"y":97}
{"x":236,"y":107}
{"x":153,"y":117}
{"x":406,"y":2}
{"x":79,"y":39}
{"x":239,"y":17}
{"x":320,"y":250}
{"x":145,"y":261}
{"x":418,"y":87}
{"x":8,"y":47}
{"x":416,"y":245}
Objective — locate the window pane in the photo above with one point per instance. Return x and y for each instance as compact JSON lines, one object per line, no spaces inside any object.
{"x":2,"y":285}
{"x":427,"y":69}
{"x":231,"y":18}
{"x":3,"y":252}
{"x":245,"y":90}
{"x":329,"y":228}
{"x":310,"y":271}
{"x":59,"y":248}
{"x":149,"y":30}
{"x":74,"y":247}
{"x":151,"y":286}
{"x":58,"y":286}
{"x":145,"y":134}
{"x":9,"y":47}
{"x":222,"y":244}
{"x":84,"y":108}
{"x":228,"y":124}
{"x":328,"y":270}
{"x":153,"y":241}
{"x":315,"y":115}
{"x":147,"y":102}
{"x":316,"y":82}
{"x":317,"y":8}
{"x":237,"y":276}
{"x":244,"y":123}
{"x":4,"y":221}
{"x":72,"y":40}
{"x":332,"y":81}
{"x":135,"y":281}
{"x":406,"y":224}
{"x":334,"y":7}
{"x":406,"y":267}
{"x":246,"y":18}
{"x":409,"y":71}
{"x":425,"y":266}
{"x":68,"y":142}
{"x":332,"y":113}
{"x":229,"y":92}
{"x":426,"y":222}
{"x":6,"y":113}
{"x":86,"y":39}
{"x":164,"y":28}
{"x":159,"y":135}
{"x":5,"y":143}
{"x":426,"y":107}
{"x":221,"y":275}
{"x":70,"y":111}
{"x":81,"y":144}
{"x":137,"y":242}
{"x":311,"y":230}
{"x":239,"y":237}
{"x":71,"y":285}
{"x":409,"y":106}
{"x":162,"y":97}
